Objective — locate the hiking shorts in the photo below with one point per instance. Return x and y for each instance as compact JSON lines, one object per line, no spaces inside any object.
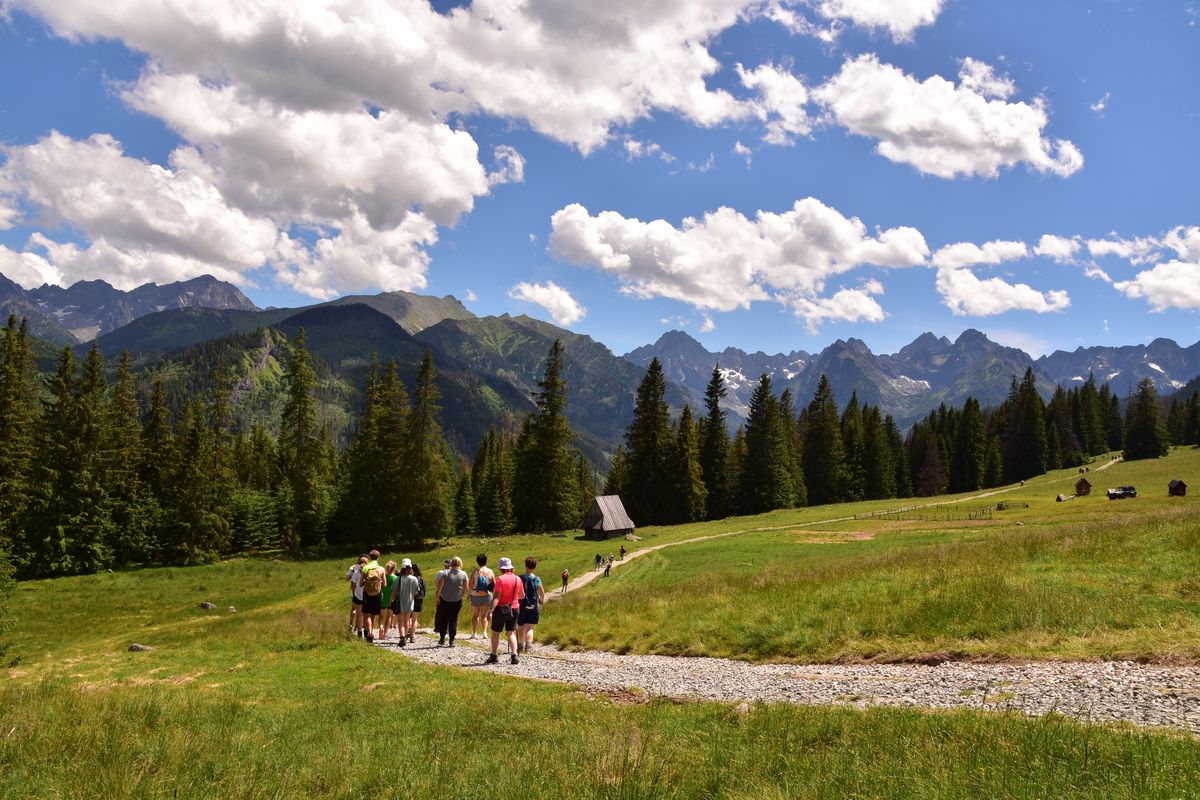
{"x":357,"y":601}
{"x":482,"y":599}
{"x":418,"y":604}
{"x":528,"y":616}
{"x":504,"y":618}
{"x":372,"y":604}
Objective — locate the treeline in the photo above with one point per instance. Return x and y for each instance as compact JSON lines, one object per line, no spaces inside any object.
{"x":92,"y":477}
{"x":687,"y":470}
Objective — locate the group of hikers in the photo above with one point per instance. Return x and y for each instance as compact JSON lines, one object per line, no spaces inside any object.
{"x":390,"y":597}
{"x":605,"y":561}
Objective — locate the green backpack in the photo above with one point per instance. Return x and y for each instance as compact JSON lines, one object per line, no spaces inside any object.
{"x":373,"y":581}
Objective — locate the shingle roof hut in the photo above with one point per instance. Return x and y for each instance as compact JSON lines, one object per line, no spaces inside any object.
{"x":1177,"y":488}
{"x":606,"y":519}
{"x":1083,"y":487}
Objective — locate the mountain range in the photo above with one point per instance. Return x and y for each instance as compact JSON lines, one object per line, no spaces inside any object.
{"x":489,"y":366}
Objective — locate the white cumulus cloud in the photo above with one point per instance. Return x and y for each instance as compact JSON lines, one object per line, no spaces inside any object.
{"x":1060,"y":248}
{"x":726,"y":260}
{"x":898,"y":17}
{"x":782,"y":103}
{"x":965,"y":254}
{"x":945,"y":129}
{"x":966,"y":294}
{"x":557,"y":301}
{"x":1174,"y":283}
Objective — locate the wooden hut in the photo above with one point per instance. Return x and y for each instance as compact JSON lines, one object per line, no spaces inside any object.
{"x":606,"y":519}
{"x":1177,"y":488}
{"x":1082,"y":487}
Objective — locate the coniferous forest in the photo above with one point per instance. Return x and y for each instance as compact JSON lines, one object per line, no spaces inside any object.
{"x":98,"y":472}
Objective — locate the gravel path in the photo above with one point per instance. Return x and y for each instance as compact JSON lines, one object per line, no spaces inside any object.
{"x":1098,"y":691}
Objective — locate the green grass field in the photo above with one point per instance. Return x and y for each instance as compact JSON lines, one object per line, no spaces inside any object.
{"x":1089,"y":578}
{"x":276,"y":701}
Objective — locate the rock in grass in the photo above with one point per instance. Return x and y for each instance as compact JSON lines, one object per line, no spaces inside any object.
{"x":140,"y":648}
{"x":232,"y":610}
{"x":207,"y":606}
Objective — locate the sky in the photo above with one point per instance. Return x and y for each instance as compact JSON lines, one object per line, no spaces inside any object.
{"x":768,"y":175}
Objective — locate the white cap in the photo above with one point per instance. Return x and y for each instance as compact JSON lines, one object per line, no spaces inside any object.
{"x":405,"y":563}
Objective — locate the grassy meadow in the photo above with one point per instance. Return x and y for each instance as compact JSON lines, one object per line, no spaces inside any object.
{"x":277,"y":701}
{"x":1088,"y":578}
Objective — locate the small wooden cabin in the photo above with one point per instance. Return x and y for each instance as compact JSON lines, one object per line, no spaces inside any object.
{"x":1082,"y":487}
{"x":606,"y":519}
{"x":1177,"y":488}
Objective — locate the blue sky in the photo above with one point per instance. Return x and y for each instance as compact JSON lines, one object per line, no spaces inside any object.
{"x":851,"y":167}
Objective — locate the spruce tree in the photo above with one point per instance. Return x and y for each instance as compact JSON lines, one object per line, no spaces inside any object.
{"x":970,"y":449}
{"x":899,"y":457}
{"x":585,"y":483}
{"x":853,"y":444}
{"x":132,"y":511}
{"x":1145,"y":432}
{"x":301,"y":454}
{"x":735,"y":466}
{"x":824,"y":460}
{"x":546,"y":468}
{"x":492,"y":480}
{"x":617,"y":479}
{"x":464,"y":507}
{"x":648,"y":444}
{"x":714,"y":447}
{"x":430,"y":479}
{"x":18,"y":412}
{"x":1193,"y":420}
{"x":1177,"y":421}
{"x":690,"y":497}
{"x":993,"y":465}
{"x":1029,"y":446}
{"x":767,"y":470}
{"x":878,"y":465}
{"x":790,"y":429}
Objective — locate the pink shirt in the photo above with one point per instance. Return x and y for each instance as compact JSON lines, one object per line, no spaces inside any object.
{"x":510,"y":590}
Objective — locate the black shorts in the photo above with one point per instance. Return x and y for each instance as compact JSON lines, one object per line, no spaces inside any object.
{"x":395,"y":606}
{"x":418,"y":602}
{"x":504,"y":618}
{"x":356,"y":601}
{"x":528,"y":616}
{"x":372,"y":604}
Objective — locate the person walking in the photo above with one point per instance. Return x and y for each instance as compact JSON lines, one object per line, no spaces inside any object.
{"x":531,"y":605}
{"x":596,"y":568}
{"x":622,"y":552}
{"x":354,"y":576}
{"x":418,"y":601}
{"x":566,"y":577}
{"x":483,"y":582}
{"x":507,"y":599}
{"x":406,"y":594}
{"x":448,"y":595}
{"x":390,"y":576}
{"x":373,"y":578}
{"x":607,"y":566}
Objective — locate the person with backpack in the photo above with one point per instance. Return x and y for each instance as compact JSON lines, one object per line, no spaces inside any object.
{"x":566,"y":576}
{"x":483,"y":583}
{"x":622,"y":553}
{"x":390,"y":576}
{"x":531,"y":605}
{"x":508,"y":595}
{"x":406,"y":594}
{"x":597,"y":567}
{"x":373,"y":581}
{"x":354,"y":576}
{"x":448,"y":594}
{"x":418,"y":601}
{"x":608,"y":565}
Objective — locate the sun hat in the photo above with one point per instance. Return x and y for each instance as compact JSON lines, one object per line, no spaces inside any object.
{"x":505,"y":564}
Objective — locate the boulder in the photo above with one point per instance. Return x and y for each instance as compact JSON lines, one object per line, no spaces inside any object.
{"x":207,"y":606}
{"x":140,"y":648}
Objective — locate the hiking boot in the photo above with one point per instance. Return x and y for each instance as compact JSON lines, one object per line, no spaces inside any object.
{"x":401,"y":643}
{"x":492,"y":659}
{"x":513,"y":658}
{"x":442,"y":642}
{"x":452,"y":643}
{"x":369,"y":638}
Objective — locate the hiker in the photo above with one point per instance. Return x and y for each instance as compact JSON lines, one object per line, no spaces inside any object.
{"x":448,"y":595}
{"x":607,"y":566}
{"x":598,"y":560}
{"x":483,"y":582}
{"x":566,"y":576}
{"x":419,"y":600}
{"x":531,"y":605}
{"x":390,"y":576}
{"x":354,"y":575}
{"x":372,"y":583}
{"x":506,"y":600}
{"x":622,"y":552}
{"x":406,"y":593}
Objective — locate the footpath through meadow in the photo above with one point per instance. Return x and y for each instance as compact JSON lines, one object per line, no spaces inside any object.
{"x":1097,"y":691}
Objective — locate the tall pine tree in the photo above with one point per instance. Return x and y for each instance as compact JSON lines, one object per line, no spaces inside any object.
{"x":648,"y":447}
{"x":824,"y":459}
{"x":714,"y":447}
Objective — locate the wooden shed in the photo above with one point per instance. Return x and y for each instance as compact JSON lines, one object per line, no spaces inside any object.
{"x":606,"y":519}
{"x":1082,"y":487}
{"x":1177,"y":488}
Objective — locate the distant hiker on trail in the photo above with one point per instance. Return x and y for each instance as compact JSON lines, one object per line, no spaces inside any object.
{"x":448,"y":594}
{"x":373,"y":579}
{"x":622,"y":552}
{"x":598,"y":560}
{"x":483,"y":583}
{"x":354,"y":575}
{"x":509,"y":593}
{"x":389,"y":618}
{"x":418,"y":601}
{"x":566,"y":576}
{"x":608,"y":566}
{"x":531,"y":605}
{"x":406,"y":593}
